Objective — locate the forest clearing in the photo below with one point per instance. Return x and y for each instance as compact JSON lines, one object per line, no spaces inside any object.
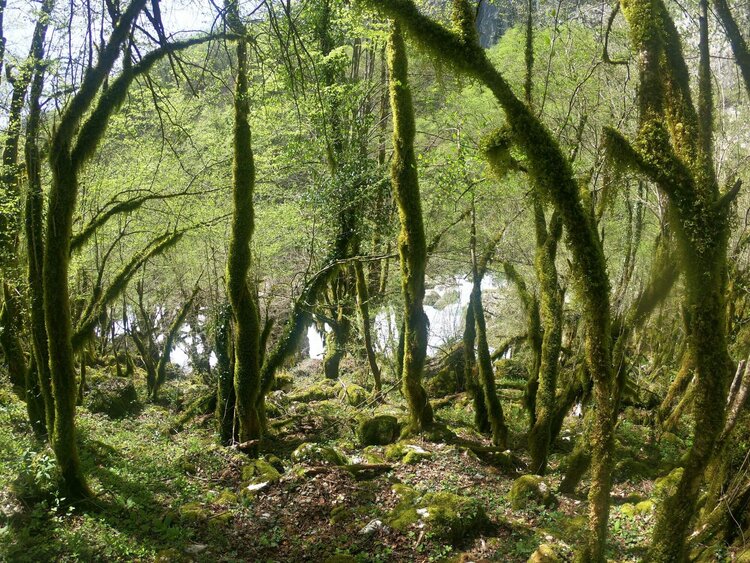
{"x":374,"y":280}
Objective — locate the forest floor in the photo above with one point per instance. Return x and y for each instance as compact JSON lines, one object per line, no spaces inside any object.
{"x":167,"y":492}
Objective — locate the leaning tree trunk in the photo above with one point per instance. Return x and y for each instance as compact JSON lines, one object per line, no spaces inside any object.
{"x":412,"y":246}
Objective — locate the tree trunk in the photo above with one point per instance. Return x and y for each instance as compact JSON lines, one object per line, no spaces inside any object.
{"x":412,"y":246}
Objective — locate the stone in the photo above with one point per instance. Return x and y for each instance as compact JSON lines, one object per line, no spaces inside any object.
{"x":354,"y":395}
{"x":530,"y":488}
{"x":545,"y":553}
{"x":379,"y":430}
{"x":114,"y":396}
{"x":316,"y":454}
{"x":444,"y":515}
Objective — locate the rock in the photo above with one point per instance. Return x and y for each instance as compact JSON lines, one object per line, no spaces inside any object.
{"x":315,"y":454}
{"x":632,"y":470}
{"x":511,"y":370}
{"x":114,"y":396}
{"x":259,"y":471}
{"x":196,"y":548}
{"x":372,"y":527}
{"x":227,"y":498}
{"x":450,"y":297}
{"x":354,"y":395}
{"x":445,"y":516}
{"x":341,"y":514}
{"x":317,"y":392}
{"x":283,"y":382}
{"x":641,"y":509}
{"x":430,"y":298}
{"x":379,"y":430}
{"x":530,"y":488}
{"x":407,"y":453}
{"x":443,"y":383}
{"x":545,"y":553}
{"x":193,"y":512}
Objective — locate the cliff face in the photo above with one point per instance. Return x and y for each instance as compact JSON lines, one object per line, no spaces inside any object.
{"x":495,"y":17}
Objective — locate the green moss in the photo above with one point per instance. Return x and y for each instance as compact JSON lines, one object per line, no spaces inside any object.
{"x":445,"y":515}
{"x":545,"y":553}
{"x":378,"y":431}
{"x":409,"y":454}
{"x":442,"y":383}
{"x":632,"y":470}
{"x":115,"y":396}
{"x":227,"y":498}
{"x":316,"y":454}
{"x":530,"y":488}
{"x":354,"y":395}
{"x":193,"y":512}
{"x":666,"y":486}
{"x":259,"y":471}
{"x":317,"y":392}
{"x":283,"y":382}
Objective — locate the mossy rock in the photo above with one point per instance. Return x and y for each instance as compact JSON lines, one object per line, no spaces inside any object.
{"x":283,"y":382}
{"x":530,"y":488}
{"x":317,"y":392}
{"x":193,"y":512}
{"x":666,"y":486}
{"x":641,"y":509}
{"x":379,"y":430}
{"x":409,"y":454}
{"x":430,"y":298}
{"x":442,"y":383}
{"x":227,"y":498}
{"x":446,"y":516}
{"x":512,"y":370}
{"x":259,"y":471}
{"x":115,"y":396}
{"x":450,"y":297}
{"x":545,"y":553}
{"x":316,"y":454}
{"x":632,"y":470}
{"x":354,"y":395}
{"x":276,"y":462}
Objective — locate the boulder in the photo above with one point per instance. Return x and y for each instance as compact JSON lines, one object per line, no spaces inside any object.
{"x":354,"y":395}
{"x":545,"y":553}
{"x":114,"y":396}
{"x":530,"y":488}
{"x":379,"y":430}
{"x":316,"y":454}
{"x":317,"y":392}
{"x":407,"y":453}
{"x":445,"y":516}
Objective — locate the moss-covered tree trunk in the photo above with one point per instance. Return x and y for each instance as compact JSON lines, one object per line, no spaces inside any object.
{"x":552,"y":324}
{"x":675,"y":150}
{"x":74,"y":141}
{"x":363,"y":300}
{"x":471,"y":376}
{"x":34,"y":230}
{"x":246,"y":329}
{"x":225,"y":398}
{"x":412,"y":246}
{"x":487,"y":374}
{"x":555,"y":180}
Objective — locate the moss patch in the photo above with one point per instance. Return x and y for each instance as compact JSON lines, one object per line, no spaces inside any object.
{"x":379,"y":430}
{"x":530,"y":488}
